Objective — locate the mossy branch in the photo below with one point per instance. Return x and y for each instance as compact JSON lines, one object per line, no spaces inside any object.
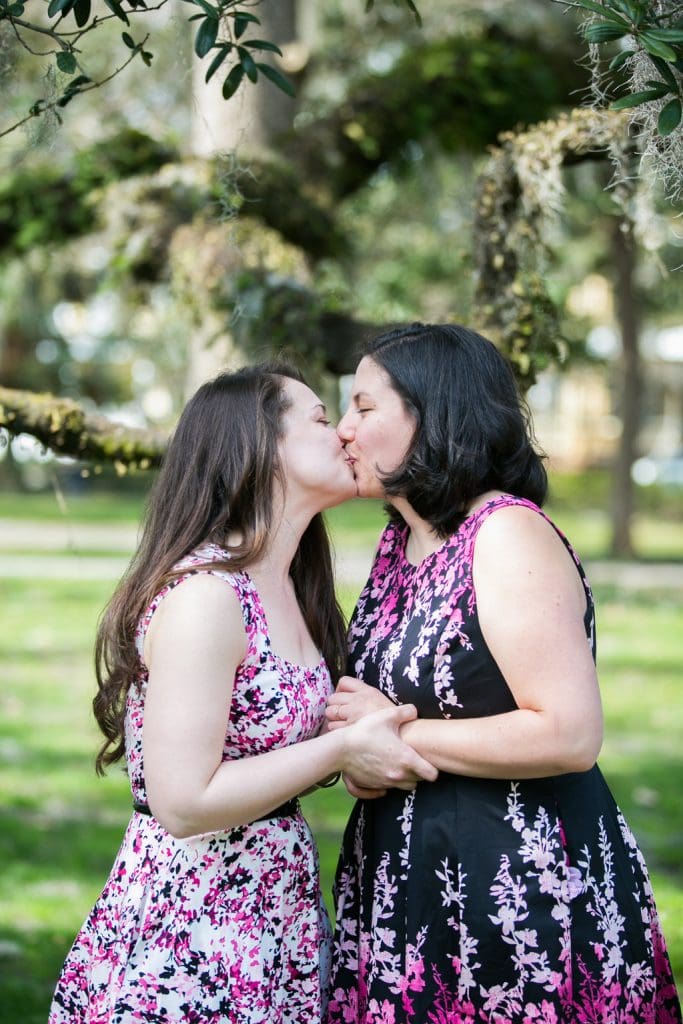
{"x":63,"y":426}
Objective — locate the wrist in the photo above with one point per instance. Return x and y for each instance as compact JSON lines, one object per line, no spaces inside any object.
{"x":336,"y":752}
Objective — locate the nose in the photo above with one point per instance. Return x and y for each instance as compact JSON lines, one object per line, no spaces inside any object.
{"x":345,"y":428}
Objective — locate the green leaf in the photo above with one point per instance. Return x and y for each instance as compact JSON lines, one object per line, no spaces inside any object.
{"x":242,"y":22}
{"x":217,"y":61}
{"x":591,"y":5}
{"x":128,"y":40}
{"x":604,"y":33}
{"x":66,"y":62}
{"x":146,"y":57}
{"x":620,"y":59}
{"x":634,"y":99}
{"x":604,"y":12}
{"x":667,"y":35}
{"x":277,"y":78}
{"x":662,"y":87}
{"x":262,"y":44}
{"x":16,"y":10}
{"x":59,"y":7}
{"x":82,"y":12}
{"x":206,"y":36}
{"x":206,"y":7}
{"x":245,"y":16}
{"x":247,"y":62}
{"x":233,"y":81}
{"x":656,"y":47}
{"x":632,"y":11}
{"x":670,"y":117}
{"x":666,"y":72}
{"x":116,"y":8}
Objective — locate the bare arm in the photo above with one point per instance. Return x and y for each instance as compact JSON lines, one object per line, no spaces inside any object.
{"x":195,"y":643}
{"x":531,"y":605}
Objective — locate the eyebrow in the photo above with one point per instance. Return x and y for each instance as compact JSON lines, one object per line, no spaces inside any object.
{"x":361,"y":394}
{"x":319,"y":405}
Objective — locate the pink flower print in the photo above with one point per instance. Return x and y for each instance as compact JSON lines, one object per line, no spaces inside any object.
{"x":383,"y":1014}
{"x":495,"y":997}
{"x":574,"y":883}
{"x":543,"y":1014}
{"x":547,"y":881}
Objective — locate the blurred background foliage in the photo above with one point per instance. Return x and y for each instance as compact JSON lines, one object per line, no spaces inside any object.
{"x":158,"y":232}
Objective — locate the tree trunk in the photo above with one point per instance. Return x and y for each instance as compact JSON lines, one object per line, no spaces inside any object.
{"x":630,"y":385}
{"x":257,"y":113}
{"x":253,"y":119}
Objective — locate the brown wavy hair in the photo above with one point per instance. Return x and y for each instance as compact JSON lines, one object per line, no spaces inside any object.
{"x":217,"y":476}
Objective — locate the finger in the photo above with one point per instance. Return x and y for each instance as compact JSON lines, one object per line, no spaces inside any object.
{"x":362,"y":792}
{"x":403,"y":713}
{"x":423,"y":769}
{"x":408,"y":785}
{"x":348,"y":684}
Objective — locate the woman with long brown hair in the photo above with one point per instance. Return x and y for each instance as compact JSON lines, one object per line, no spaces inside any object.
{"x":215,"y":659}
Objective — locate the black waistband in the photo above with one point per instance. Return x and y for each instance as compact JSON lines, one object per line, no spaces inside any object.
{"x":286,"y":810}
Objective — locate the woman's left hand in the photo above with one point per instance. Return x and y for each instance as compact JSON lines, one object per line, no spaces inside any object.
{"x":352,"y":700}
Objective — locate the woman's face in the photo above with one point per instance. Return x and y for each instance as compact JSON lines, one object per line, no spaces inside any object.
{"x":376,"y":428}
{"x":316,"y":469}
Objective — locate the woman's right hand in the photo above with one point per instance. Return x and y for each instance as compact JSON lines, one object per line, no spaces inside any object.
{"x":377,"y":759}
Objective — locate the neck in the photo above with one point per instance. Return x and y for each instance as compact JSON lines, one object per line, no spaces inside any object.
{"x":422,"y":540}
{"x":276,"y":560}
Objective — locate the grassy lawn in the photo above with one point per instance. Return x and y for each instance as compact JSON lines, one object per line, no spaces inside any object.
{"x":60,"y":826}
{"x":577,"y":504}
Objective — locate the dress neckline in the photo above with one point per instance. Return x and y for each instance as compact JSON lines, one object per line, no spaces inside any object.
{"x":450,"y":539}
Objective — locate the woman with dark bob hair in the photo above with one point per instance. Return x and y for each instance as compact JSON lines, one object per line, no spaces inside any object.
{"x":509,"y":890}
{"x":215,"y":658}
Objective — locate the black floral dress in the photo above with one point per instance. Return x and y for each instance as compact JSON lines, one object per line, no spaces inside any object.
{"x":482,"y":900}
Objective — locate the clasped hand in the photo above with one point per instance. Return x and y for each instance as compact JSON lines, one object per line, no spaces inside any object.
{"x":378,"y":758}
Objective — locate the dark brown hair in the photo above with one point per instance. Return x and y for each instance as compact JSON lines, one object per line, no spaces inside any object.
{"x":217,"y":476}
{"x":473,"y":429}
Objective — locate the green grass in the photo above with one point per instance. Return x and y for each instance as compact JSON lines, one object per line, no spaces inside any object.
{"x":578,"y":504}
{"x":99,"y":507}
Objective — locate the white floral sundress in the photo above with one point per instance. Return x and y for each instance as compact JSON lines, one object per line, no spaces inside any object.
{"x":228,"y":927}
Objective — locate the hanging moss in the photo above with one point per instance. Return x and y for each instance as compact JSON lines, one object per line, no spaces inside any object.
{"x":520,"y":193}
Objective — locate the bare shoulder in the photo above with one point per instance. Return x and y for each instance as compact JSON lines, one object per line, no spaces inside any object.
{"x":519,"y":532}
{"x":201,"y":607}
{"x":519,"y":548}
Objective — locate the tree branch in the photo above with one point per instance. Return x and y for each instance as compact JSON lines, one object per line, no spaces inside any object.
{"x":65,"y":427}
